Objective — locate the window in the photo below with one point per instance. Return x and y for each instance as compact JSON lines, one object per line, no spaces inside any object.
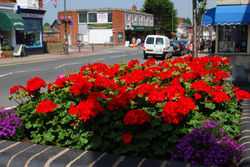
{"x":233,"y":38}
{"x":32,"y":36}
{"x":134,"y":17}
{"x":109,"y":16}
{"x":120,"y":36}
{"x":141,"y":19}
{"x":92,"y":17}
{"x":128,"y":16}
{"x":150,"y":40}
{"x":83,"y":17}
{"x":159,"y":41}
{"x":151,"y":21}
{"x":146,"y":20}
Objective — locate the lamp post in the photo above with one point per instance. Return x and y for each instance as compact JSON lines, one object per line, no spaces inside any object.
{"x":66,"y":34}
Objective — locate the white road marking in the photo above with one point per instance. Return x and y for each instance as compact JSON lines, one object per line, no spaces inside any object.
{"x":97,"y":60}
{"x":3,"y":75}
{"x":28,"y":71}
{"x":117,"y":56}
{"x":68,"y":64}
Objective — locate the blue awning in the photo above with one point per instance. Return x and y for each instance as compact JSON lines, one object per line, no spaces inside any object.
{"x":227,"y":14}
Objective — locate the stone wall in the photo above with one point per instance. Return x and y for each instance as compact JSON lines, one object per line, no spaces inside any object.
{"x":54,"y":47}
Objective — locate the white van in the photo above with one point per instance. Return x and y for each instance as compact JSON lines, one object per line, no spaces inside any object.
{"x":157,"y":45}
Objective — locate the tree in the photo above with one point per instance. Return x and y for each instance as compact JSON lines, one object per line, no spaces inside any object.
{"x":164,"y":14}
{"x":187,"y":21}
{"x":196,"y":37}
{"x":45,"y":26}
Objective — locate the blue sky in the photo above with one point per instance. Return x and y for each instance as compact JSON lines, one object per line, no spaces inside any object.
{"x":184,"y":7}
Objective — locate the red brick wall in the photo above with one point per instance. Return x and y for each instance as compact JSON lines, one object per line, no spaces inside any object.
{"x":73,"y":28}
{"x":118,"y":19}
{"x":40,"y":4}
{"x":8,"y":1}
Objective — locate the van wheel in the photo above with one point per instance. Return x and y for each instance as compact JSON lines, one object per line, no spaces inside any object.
{"x":145,"y":56}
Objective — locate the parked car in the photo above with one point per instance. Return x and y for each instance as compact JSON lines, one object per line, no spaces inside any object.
{"x":185,"y":42}
{"x":157,"y":46}
{"x":179,"y":48}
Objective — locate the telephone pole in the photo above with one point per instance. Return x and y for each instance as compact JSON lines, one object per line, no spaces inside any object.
{"x":195,"y":50}
{"x":66,"y":34}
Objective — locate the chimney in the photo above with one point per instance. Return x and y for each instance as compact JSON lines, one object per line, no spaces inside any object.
{"x":134,"y":8}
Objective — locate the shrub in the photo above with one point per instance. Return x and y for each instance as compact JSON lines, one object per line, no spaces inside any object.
{"x":133,"y":109}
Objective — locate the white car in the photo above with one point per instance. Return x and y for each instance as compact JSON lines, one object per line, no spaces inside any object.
{"x":157,"y":46}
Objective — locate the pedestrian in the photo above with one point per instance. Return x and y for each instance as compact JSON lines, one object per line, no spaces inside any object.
{"x":208,"y":45}
{"x":138,"y":41}
{"x":133,"y":42}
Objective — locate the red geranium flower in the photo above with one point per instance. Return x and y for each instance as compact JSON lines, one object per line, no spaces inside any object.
{"x":81,"y":85}
{"x":136,"y":117}
{"x":197,"y":96}
{"x":242,"y":95}
{"x":15,"y":89}
{"x":34,"y":85}
{"x":127,"y":138}
{"x":85,"y":109}
{"x":46,"y":106}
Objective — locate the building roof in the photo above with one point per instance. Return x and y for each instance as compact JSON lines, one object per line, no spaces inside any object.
{"x":107,"y":9}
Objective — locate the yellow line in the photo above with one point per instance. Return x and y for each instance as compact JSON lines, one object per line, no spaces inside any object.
{"x":244,"y":159}
{"x":6,"y":148}
{"x":8,"y":164}
{"x":244,"y":122}
{"x":245,"y":118}
{"x":93,"y":163}
{"x":47,"y":164}
{"x":2,"y":141}
{"x":118,"y":161}
{"x":243,"y":137}
{"x":34,"y":156}
{"x":164,"y":163}
{"x":142,"y":161}
{"x":68,"y":165}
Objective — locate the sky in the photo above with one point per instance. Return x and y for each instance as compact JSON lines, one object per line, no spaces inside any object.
{"x":184,"y":7}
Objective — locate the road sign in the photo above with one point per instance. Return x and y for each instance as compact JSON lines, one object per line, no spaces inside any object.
{"x":114,"y":30}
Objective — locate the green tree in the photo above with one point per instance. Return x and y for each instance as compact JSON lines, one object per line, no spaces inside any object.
{"x":45,"y":25}
{"x":187,"y":21}
{"x":164,"y":14}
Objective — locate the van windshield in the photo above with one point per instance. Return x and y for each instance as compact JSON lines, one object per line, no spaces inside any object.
{"x":150,"y":40}
{"x":159,"y":41}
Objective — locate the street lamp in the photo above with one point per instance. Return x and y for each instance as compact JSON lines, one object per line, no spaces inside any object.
{"x":66,"y":34}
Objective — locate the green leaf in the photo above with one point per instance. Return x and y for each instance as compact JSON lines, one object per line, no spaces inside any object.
{"x":28,"y":125}
{"x":49,"y":137}
{"x":210,"y":105}
{"x":166,"y":127}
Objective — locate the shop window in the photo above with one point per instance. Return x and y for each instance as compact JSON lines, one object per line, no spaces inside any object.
{"x":120,"y":36}
{"x":92,"y":17}
{"x":83,"y":17}
{"x":233,"y":38}
{"x":109,"y":16}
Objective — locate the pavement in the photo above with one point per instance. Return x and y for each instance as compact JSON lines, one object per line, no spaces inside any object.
{"x":17,"y":154}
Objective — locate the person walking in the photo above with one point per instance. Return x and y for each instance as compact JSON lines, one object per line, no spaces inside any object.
{"x":138,"y":41}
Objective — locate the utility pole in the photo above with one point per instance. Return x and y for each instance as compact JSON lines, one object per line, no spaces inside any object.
{"x":195,"y":51}
{"x":66,"y":34}
{"x":172,"y":21}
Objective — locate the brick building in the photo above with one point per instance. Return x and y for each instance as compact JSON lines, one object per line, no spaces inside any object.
{"x":22,"y":24}
{"x":103,"y":26}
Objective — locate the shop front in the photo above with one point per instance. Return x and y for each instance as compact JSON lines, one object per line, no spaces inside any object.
{"x":139,"y":32}
{"x":231,"y":23}
{"x":32,"y":36}
{"x":10,"y":23}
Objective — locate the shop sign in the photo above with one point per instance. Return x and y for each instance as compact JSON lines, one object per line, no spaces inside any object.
{"x":157,"y":29}
{"x":102,"y":17}
{"x":100,"y":26}
{"x":31,"y":15}
{"x":135,"y":28}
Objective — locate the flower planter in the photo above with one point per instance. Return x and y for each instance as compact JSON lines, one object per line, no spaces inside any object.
{"x":3,"y":56}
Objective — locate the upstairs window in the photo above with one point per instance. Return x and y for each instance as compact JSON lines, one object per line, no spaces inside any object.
{"x":83,"y":17}
{"x":109,"y":16}
{"x":92,"y":17}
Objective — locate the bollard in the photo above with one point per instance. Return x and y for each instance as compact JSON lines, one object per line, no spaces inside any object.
{"x":92,"y":47}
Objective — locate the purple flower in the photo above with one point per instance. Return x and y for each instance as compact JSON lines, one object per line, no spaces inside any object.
{"x":9,"y":121}
{"x":208,"y":146}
